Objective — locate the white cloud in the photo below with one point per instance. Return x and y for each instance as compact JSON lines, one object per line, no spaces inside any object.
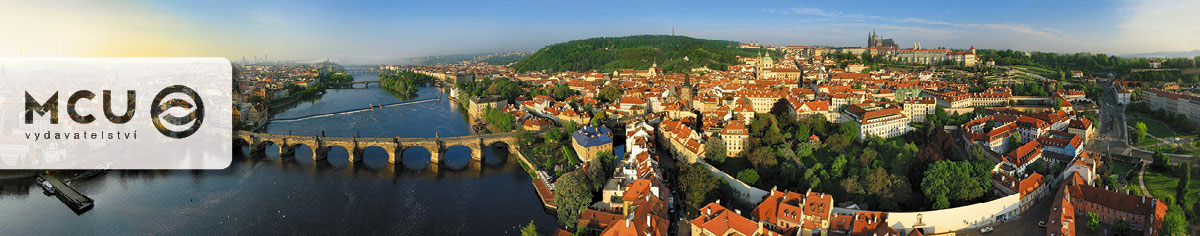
{"x":1158,"y":25}
{"x":813,"y":11}
{"x":262,"y":17}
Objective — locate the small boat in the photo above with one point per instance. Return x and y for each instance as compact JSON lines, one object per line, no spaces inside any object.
{"x":45,"y":185}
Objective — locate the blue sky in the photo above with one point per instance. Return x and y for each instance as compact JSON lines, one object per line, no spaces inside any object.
{"x":384,"y":31}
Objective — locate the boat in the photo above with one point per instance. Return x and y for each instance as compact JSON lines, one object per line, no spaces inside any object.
{"x":45,"y":185}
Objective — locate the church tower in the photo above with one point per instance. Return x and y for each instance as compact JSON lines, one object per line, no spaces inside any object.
{"x":685,"y":92}
{"x":873,"y":40}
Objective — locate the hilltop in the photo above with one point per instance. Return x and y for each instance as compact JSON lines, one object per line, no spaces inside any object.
{"x":607,"y":54}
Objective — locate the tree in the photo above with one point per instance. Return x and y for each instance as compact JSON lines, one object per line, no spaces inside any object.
{"x":530,"y":230}
{"x":838,"y":166}
{"x":748,"y":176}
{"x":552,"y":136}
{"x":1175,"y":222}
{"x":1139,"y":132}
{"x":610,"y":93}
{"x":1161,"y":160}
{"x":804,"y":149}
{"x":1093,"y":220}
{"x":598,"y":173}
{"x":1185,"y":176}
{"x":524,"y":138}
{"x":941,"y":202}
{"x":849,"y":130}
{"x":714,"y":150}
{"x":762,"y":157}
{"x":598,"y":119}
{"x":977,"y":152}
{"x":572,"y":194}
{"x":697,"y":184}
{"x":956,"y":180}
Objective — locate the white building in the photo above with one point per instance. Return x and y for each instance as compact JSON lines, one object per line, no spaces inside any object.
{"x":878,"y":119}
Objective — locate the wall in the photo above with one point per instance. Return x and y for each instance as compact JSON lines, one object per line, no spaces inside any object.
{"x":953,"y":219}
{"x":748,"y":194}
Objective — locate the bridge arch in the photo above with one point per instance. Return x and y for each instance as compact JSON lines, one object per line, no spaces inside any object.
{"x":459,"y":156}
{"x":416,"y":156}
{"x":500,"y":150}
{"x":301,"y":151}
{"x":337,"y":154}
{"x":376,"y":152}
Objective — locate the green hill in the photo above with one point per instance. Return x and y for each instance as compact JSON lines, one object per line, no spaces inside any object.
{"x":606,"y":54}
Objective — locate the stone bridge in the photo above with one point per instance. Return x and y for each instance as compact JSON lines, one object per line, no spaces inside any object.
{"x":394,"y":146}
{"x":366,"y":84}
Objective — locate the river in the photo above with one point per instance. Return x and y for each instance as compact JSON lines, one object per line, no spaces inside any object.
{"x":267,"y":195}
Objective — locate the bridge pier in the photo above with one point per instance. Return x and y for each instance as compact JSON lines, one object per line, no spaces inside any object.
{"x":476,"y":152}
{"x":392,"y":154}
{"x":320,"y":153}
{"x":355,"y":155}
{"x":287,"y":150}
{"x":435,"y":156}
{"x":257,"y":147}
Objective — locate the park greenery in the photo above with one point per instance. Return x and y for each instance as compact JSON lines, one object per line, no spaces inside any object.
{"x":608,"y":54}
{"x":500,"y":120}
{"x":1178,"y":122}
{"x":404,"y":82}
{"x":878,"y":174}
{"x":699,"y":186}
{"x":956,"y":181}
{"x":576,"y":190}
{"x":1139,"y":132}
{"x":335,"y":77}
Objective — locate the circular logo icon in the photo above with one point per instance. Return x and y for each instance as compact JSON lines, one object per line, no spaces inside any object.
{"x":158,"y":107}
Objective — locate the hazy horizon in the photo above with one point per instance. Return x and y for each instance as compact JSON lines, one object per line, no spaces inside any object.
{"x":388,"y":32}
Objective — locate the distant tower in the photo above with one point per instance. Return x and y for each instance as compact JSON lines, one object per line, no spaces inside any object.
{"x":873,"y":39}
{"x":685,"y":92}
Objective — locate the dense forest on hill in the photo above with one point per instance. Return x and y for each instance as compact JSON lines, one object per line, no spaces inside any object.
{"x":607,"y":54}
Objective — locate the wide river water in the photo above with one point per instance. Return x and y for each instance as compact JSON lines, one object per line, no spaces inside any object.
{"x":266,"y":195}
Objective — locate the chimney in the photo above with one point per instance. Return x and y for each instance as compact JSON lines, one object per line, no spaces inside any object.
{"x":627,"y":222}
{"x":648,"y":221}
{"x":708,"y":211}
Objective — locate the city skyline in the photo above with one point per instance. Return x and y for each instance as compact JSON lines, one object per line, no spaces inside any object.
{"x":389,"y":32}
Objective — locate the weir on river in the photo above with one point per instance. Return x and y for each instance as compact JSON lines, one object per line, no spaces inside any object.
{"x":369,"y":108}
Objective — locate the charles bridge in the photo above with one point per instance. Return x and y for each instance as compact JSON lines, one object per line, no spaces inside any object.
{"x":395,"y":146}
